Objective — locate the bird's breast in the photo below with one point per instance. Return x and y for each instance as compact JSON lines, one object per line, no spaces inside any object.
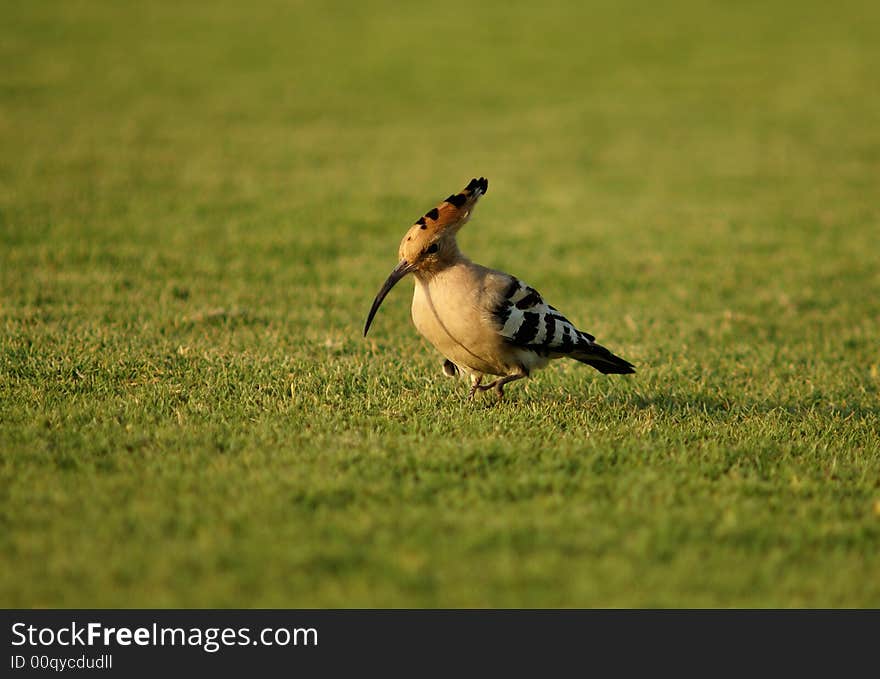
{"x":450,"y":311}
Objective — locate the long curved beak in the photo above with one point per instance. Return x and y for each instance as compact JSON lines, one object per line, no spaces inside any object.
{"x":399,"y":272}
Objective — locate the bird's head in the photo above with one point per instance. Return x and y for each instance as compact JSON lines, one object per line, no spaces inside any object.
{"x":429,"y":244}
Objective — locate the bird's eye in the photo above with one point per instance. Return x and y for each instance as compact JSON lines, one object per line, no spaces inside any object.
{"x":432,"y":248}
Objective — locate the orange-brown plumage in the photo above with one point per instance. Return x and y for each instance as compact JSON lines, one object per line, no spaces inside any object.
{"x":455,"y":210}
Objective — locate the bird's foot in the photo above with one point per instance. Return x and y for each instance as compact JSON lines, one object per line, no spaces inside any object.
{"x":498,"y":385}
{"x":475,"y":387}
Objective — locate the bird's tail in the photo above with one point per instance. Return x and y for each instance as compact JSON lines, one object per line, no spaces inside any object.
{"x":603,"y":360}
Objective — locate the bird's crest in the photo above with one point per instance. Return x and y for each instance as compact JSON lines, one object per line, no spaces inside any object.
{"x":453,"y":212}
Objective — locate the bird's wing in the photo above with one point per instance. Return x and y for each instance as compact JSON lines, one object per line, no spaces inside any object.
{"x":525,"y":320}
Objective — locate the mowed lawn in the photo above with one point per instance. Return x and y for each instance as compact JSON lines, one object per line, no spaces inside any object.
{"x":198,"y":202}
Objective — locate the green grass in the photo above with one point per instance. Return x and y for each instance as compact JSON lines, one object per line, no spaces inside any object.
{"x":198,"y":202}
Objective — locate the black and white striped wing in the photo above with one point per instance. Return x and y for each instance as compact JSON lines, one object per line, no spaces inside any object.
{"x":527,"y":321}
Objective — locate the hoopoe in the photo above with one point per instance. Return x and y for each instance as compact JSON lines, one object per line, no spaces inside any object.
{"x":484,"y":322}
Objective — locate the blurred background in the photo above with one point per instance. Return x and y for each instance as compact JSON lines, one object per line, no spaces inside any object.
{"x":199,"y":200}
{"x":310,"y":134}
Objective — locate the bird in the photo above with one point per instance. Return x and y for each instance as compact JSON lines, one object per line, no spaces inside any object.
{"x":484,"y":322}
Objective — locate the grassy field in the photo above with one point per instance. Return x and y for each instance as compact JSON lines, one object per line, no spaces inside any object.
{"x":198,"y":202}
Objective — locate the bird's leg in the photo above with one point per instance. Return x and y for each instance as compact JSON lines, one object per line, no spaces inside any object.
{"x":487,"y":387}
{"x":476,"y":378}
{"x":497,"y":384}
{"x":501,"y":381}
